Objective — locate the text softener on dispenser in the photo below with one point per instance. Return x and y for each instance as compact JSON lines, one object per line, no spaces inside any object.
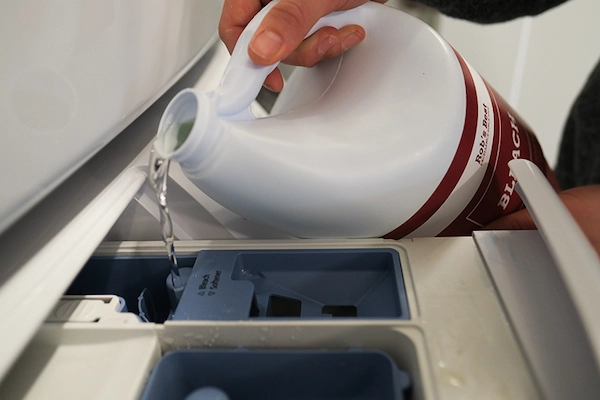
{"x":398,"y":137}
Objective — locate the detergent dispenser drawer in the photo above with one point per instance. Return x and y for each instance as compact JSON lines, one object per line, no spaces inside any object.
{"x":253,"y":284}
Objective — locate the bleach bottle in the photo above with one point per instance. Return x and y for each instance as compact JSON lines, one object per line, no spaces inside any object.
{"x":397,"y":137}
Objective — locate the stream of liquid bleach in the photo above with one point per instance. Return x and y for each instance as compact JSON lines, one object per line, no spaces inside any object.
{"x":158,"y":174}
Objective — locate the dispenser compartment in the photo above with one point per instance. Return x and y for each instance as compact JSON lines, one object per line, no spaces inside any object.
{"x":276,"y":374}
{"x":305,"y":284}
{"x":139,"y":280}
{"x":250,"y":284}
{"x":450,"y":341}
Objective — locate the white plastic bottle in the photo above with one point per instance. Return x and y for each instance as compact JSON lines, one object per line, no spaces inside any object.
{"x":397,"y":137}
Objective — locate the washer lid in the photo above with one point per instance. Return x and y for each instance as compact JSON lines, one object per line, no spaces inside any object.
{"x":75,"y":74}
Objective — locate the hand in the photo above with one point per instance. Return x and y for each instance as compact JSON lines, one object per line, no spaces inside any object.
{"x":281,"y":34}
{"x":582,"y":202}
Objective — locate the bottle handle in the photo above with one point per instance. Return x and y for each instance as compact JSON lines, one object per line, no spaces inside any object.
{"x":242,"y":78}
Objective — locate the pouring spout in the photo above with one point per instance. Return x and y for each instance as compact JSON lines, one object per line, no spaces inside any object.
{"x":188,"y":128}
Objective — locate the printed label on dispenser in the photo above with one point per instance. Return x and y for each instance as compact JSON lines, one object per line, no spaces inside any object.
{"x":208,"y":285}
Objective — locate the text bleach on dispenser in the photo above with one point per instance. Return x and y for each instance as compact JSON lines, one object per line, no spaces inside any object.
{"x":397,"y":137}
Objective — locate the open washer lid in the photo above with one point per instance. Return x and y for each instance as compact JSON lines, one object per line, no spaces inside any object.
{"x":75,"y":74}
{"x":112,"y":67}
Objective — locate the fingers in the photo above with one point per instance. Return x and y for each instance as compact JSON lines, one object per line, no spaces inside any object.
{"x":274,"y":81}
{"x":281,"y":33}
{"x":584,"y":205}
{"x":326,"y":43}
{"x":520,"y":220}
{"x":284,"y":28}
{"x":323,"y":44}
{"x":582,"y":202}
{"x":236,"y":14}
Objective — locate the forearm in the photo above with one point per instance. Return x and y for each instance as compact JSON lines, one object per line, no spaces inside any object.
{"x":490,"y":11}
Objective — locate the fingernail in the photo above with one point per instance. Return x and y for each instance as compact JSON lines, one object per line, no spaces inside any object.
{"x":352,"y":40}
{"x":326,"y":44}
{"x":266,"y":44}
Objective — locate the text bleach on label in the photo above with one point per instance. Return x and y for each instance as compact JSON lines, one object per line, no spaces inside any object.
{"x":398,"y":137}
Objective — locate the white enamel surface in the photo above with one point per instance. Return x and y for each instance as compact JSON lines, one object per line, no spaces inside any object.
{"x":360,"y":159}
{"x":76,"y":73}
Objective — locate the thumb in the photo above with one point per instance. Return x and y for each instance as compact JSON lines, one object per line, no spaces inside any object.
{"x":283,"y":29}
{"x":286,"y":24}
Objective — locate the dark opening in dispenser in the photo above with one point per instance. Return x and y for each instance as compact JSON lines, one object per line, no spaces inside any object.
{"x":140,"y":281}
{"x":281,"y":306}
{"x":340,"y":311}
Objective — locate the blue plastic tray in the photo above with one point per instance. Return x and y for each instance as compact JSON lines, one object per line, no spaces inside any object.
{"x":307,"y":284}
{"x":277,"y":375}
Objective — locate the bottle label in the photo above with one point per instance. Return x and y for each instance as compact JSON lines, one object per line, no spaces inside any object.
{"x":493,"y":134}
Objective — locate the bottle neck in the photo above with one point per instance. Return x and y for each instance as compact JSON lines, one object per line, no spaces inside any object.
{"x":188,"y":128}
